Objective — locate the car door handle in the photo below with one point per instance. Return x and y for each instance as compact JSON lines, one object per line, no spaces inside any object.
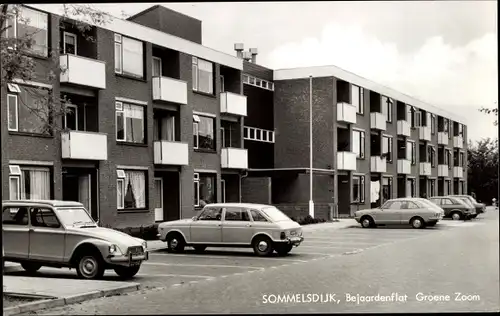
{"x":219,"y":224}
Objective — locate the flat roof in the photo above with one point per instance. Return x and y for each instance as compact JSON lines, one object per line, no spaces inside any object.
{"x":53,"y":203}
{"x":334,"y":71}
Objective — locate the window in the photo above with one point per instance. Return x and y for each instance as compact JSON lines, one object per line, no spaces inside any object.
{"x":387,"y":188}
{"x":223,"y":190}
{"x":411,"y":205}
{"x":358,"y":189}
{"x":203,"y":132}
{"x":386,"y":104}
{"x":387,"y":147}
{"x":129,"y":56}
{"x":15,"y":216}
{"x":460,"y":130}
{"x":395,"y":205}
{"x":236,"y":214}
{"x":129,"y":123}
{"x":246,"y":79}
{"x":447,"y":187}
{"x":257,"y":134}
{"x":257,"y":216}
{"x":211,"y":214}
{"x":358,"y":143}
{"x":69,"y":43}
{"x":43,"y":217}
{"x":203,"y":77}
{"x":257,"y":82}
{"x":27,"y":109}
{"x":30,"y":24}
{"x":29,"y":183}
{"x":462,"y":160}
{"x":433,"y":124}
{"x":446,"y":125}
{"x":222,"y":84}
{"x":164,"y":127}
{"x":71,"y":117}
{"x":411,"y":152}
{"x":156,"y":71}
{"x":446,"y":202}
{"x":448,"y":158}
{"x":357,"y":99}
{"x":204,"y":188}
{"x":131,"y":189}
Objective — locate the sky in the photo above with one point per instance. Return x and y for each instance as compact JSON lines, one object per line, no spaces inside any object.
{"x":441,"y":52}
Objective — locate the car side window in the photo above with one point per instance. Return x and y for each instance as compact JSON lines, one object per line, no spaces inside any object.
{"x":44,"y":217}
{"x":257,"y":216}
{"x":236,"y":214}
{"x":15,"y":216}
{"x":396,"y":205}
{"x":435,"y":201}
{"x":411,"y":205}
{"x":211,"y":214}
{"x":447,"y":202}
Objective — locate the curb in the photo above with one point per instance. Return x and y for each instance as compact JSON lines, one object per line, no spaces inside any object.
{"x":58,"y":302}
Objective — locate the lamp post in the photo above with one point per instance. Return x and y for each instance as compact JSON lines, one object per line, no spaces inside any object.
{"x":311,"y":203}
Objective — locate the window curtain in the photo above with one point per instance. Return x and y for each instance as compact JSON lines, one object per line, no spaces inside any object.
{"x":36,"y":28}
{"x":134,"y":121}
{"x":356,"y":140}
{"x":135,"y":182}
{"x":168,"y":128}
{"x":207,"y":189}
{"x":206,"y":133}
{"x":205,"y":76}
{"x":35,"y":184}
{"x":132,"y":57}
{"x":356,"y":189}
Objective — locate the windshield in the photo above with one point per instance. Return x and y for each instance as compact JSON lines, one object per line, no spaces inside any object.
{"x":274,"y":214}
{"x":75,"y":216}
{"x":466,"y":201}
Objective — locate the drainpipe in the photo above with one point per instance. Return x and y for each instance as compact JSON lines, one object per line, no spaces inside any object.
{"x":241,"y":179}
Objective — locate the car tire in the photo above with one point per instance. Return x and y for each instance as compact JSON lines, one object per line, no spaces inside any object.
{"x":456,"y":216}
{"x":199,"y":248}
{"x":175,"y":243}
{"x":417,"y":223}
{"x":263,"y":246}
{"x":31,"y":267}
{"x":90,"y":266}
{"x":284,"y":249}
{"x":367,"y":222}
{"x":127,"y":272}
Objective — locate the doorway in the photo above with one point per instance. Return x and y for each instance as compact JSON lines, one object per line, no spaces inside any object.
{"x":80,"y":185}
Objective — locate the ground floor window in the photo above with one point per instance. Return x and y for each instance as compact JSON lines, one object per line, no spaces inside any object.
{"x":358,"y":189}
{"x":447,"y":187}
{"x":387,"y":188}
{"x":29,"y":183}
{"x":411,"y":190}
{"x":432,"y":187}
{"x":204,"y":189}
{"x":131,"y":189}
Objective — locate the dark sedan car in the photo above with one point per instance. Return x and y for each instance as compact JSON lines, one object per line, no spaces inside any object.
{"x":454,"y":207}
{"x":480,"y":207}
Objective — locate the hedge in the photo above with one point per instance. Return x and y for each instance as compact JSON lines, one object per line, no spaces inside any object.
{"x":143,"y":232}
{"x":308,"y":220}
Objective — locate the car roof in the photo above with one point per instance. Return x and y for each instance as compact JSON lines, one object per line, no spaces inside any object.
{"x":247,"y":205}
{"x":53,"y":203}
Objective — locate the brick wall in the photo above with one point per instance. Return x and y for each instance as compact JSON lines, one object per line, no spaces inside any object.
{"x":256,"y":190}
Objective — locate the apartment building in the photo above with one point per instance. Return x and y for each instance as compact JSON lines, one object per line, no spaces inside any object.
{"x":160,"y":124}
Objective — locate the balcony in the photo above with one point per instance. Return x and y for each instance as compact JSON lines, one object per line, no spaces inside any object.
{"x":458,"y":172}
{"x":442,"y":170}
{"x":404,"y":166}
{"x":83,"y":71}
{"x":424,"y":133}
{"x":378,"y":121}
{"x":346,"y":112}
{"x":232,"y":103}
{"x":171,"y":153}
{"x":458,"y":142}
{"x":346,"y":161}
{"x":425,"y":169}
{"x":84,"y":145}
{"x":443,"y":138}
{"x":234,"y":158}
{"x":378,"y":164}
{"x":169,"y":90}
{"x":404,"y":128}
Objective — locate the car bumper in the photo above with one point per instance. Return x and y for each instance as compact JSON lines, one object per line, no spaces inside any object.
{"x":128,"y":260}
{"x":292,"y":240}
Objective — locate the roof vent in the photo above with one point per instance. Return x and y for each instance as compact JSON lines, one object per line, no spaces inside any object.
{"x":254,"y":52}
{"x":239,"y":47}
{"x":247,"y":56}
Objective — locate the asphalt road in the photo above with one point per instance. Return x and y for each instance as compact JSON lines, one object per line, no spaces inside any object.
{"x":449,"y":258}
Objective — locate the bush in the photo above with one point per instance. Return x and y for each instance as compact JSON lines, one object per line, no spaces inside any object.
{"x":309,"y":220}
{"x":143,"y":232}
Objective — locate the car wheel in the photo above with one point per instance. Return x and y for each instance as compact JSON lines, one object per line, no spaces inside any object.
{"x":175,"y":243}
{"x":417,"y":223}
{"x":31,"y":267}
{"x":199,"y":248}
{"x":284,"y":249}
{"x":456,"y":216}
{"x":263,"y":246}
{"x":367,"y":222}
{"x":127,"y":272}
{"x":90,"y":267}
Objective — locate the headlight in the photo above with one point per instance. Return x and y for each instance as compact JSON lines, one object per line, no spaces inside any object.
{"x":113,"y":249}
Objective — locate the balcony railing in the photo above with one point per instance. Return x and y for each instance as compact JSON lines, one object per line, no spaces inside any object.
{"x":458,"y":172}
{"x":346,"y":112}
{"x":84,"y":145}
{"x":378,"y":164}
{"x":234,"y":158}
{"x":377,"y":121}
{"x":169,"y":90}
{"x":442,"y":170}
{"x":171,"y":153}
{"x":458,"y":142}
{"x":425,"y":169}
{"x":404,"y":166}
{"x":404,"y":128}
{"x":443,"y":138}
{"x":424,"y":133}
{"x":346,"y":161}
{"x":232,"y":103}
{"x":83,"y":71}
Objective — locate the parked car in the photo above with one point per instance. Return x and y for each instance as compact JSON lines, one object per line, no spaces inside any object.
{"x":63,"y":234}
{"x":480,"y":207}
{"x":454,"y":208}
{"x":262,"y":227}
{"x":417,"y":212}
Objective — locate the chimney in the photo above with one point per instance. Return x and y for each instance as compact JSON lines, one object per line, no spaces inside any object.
{"x":254,"y":53}
{"x":238,"y":47}
{"x":247,"y":56}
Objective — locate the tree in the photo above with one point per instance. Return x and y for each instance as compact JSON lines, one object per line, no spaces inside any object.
{"x":493,"y":111}
{"x":18,"y":63}
{"x":482,"y":174}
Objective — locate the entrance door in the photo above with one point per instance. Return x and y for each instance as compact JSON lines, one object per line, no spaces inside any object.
{"x":158,"y":199}
{"x":84,"y":192}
